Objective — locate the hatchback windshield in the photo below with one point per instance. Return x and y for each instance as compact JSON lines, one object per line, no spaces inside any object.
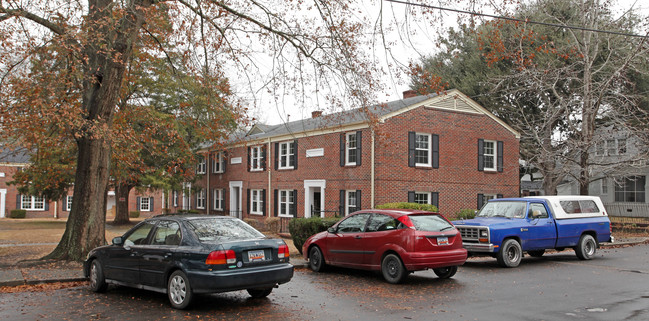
{"x":503,"y":209}
{"x":430,"y":223}
{"x":219,"y":230}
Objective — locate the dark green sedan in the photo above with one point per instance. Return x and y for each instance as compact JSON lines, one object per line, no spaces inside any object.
{"x":183,"y":255}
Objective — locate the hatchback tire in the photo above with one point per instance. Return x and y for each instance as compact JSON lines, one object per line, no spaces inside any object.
{"x":179,"y":290}
{"x":97,"y":279}
{"x":445,"y":272}
{"x":392,"y":269}
{"x":510,"y":254}
{"x":259,"y":293}
{"x":316,"y":259}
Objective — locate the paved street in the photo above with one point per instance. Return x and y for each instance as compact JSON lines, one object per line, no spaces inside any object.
{"x":613,"y":286}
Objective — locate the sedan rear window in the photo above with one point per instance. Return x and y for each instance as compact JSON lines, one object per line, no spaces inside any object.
{"x":219,"y":230}
{"x":430,"y":223}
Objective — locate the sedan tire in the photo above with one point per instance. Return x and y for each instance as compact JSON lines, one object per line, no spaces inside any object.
{"x":97,"y":279}
{"x":445,"y":272}
{"x":316,"y":259}
{"x":179,"y":290}
{"x":259,"y":293}
{"x":392,"y":269}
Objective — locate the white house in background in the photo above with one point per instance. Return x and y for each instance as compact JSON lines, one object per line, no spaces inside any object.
{"x":622,"y":187}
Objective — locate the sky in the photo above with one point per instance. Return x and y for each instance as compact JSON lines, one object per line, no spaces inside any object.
{"x":411,"y":39}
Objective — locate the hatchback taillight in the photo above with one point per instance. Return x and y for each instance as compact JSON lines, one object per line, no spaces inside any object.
{"x":221,"y":257}
{"x":283,"y":252}
{"x":406,"y":221}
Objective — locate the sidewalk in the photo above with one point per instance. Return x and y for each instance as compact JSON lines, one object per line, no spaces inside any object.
{"x":15,"y":276}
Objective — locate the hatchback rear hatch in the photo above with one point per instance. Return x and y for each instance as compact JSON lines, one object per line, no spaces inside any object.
{"x":434,"y":233}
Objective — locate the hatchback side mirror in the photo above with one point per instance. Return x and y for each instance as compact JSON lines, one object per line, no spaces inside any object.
{"x":118,"y":240}
{"x":331,"y":230}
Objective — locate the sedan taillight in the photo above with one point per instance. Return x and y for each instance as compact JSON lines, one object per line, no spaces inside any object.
{"x":283,"y":252}
{"x":221,"y":257}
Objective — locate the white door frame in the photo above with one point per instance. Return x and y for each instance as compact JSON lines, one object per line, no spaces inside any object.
{"x":235,"y":204}
{"x":311,"y":186}
{"x":3,"y":201}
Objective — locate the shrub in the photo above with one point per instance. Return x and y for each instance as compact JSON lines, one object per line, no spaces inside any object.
{"x":134,"y":214}
{"x":408,"y":206}
{"x":272,"y":224}
{"x":17,"y":213}
{"x":465,"y":214}
{"x":302,"y":228}
{"x":194,"y":212}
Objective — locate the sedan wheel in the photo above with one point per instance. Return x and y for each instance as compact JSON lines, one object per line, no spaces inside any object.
{"x":392,"y":269}
{"x":178,"y":290}
{"x":445,"y":272}
{"x":316,"y":260}
{"x":97,"y":280}
{"x":259,"y":293}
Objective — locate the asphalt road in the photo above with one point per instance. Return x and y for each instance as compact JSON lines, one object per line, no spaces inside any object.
{"x":612,"y":286}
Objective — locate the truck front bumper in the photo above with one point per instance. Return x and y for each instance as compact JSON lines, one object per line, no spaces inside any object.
{"x":479,"y":247}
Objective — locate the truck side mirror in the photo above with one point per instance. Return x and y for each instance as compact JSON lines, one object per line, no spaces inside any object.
{"x":536,"y":214}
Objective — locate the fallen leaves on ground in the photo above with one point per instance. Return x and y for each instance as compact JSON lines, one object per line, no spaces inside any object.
{"x":41,"y":287}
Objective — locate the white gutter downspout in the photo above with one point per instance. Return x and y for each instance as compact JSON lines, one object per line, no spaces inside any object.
{"x":372,"y":171}
{"x":270,"y":185}
{"x":207,"y":189}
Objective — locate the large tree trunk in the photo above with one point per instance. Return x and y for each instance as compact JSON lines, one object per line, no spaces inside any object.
{"x":110,"y":46}
{"x":121,"y":214}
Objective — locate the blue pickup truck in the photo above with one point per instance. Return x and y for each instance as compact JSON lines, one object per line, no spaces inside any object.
{"x":505,"y":228}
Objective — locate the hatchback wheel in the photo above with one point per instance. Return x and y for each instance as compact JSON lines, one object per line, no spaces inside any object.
{"x":97,"y":280}
{"x":179,"y":290}
{"x":316,"y":260}
{"x":393,"y":270}
{"x":445,"y":272}
{"x":259,"y":293}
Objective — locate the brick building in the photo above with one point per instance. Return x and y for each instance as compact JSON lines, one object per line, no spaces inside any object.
{"x":443,"y":149}
{"x":148,"y":203}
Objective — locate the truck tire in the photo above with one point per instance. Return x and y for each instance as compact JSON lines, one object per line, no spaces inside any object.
{"x":586,"y":247}
{"x":510,"y":254}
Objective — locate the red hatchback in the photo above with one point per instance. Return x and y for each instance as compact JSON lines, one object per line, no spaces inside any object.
{"x":395,"y":242}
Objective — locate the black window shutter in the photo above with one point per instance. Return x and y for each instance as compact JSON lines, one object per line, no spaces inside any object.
{"x":294,"y":205}
{"x":47,"y":204}
{"x":248,"y":203}
{"x":263,"y":157}
{"x":480,"y":155}
{"x":276,"y":155}
{"x":249,"y":164}
{"x":411,"y":149}
{"x":499,"y":196}
{"x":500,"y":156}
{"x":435,"y":151}
{"x":64,"y":204}
{"x":480,"y":201}
{"x":342,"y":203}
{"x":294,"y":157}
{"x":435,"y":199}
{"x":263,"y":201}
{"x":276,"y":203}
{"x":137,"y":203}
{"x":359,"y":147}
{"x":358,"y":200}
{"x":19,"y":203}
{"x":225,"y":161}
{"x":223,"y":203}
{"x":342,"y":149}
{"x":151,"y":203}
{"x":411,"y":196}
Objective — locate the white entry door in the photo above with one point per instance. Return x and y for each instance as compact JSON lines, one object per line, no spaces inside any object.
{"x":3,"y":202}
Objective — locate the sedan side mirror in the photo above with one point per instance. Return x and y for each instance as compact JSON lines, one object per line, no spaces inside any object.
{"x":118,"y":240}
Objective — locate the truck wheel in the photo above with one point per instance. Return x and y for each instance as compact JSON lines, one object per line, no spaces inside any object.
{"x":586,"y":247}
{"x":510,"y":254}
{"x":536,"y":253}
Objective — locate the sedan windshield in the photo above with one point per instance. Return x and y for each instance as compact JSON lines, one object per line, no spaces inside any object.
{"x":220,"y":230}
{"x":503,"y":209}
{"x":430,"y":223}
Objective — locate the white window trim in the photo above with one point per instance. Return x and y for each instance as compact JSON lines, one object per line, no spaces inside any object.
{"x":148,"y":204}
{"x":347,"y":199}
{"x":429,"y":150}
{"x":32,"y":203}
{"x":218,"y":197}
{"x":200,"y":199}
{"x":494,"y":155}
{"x":174,"y":198}
{"x":68,"y":202}
{"x":258,"y":158}
{"x":287,"y":147}
{"x":202,"y":163}
{"x":348,"y":149}
{"x":217,"y":160}
{"x":288,"y":204}
{"x":428,"y":196}
{"x":603,"y":188}
{"x":259,"y":195}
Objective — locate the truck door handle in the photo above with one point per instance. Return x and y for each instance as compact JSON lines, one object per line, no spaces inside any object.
{"x":549,"y":223}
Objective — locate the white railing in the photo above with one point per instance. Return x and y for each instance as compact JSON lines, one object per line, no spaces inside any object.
{"x":627,"y":209}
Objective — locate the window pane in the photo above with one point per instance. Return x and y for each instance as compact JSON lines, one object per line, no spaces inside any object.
{"x":430,"y":223}
{"x":353,"y":224}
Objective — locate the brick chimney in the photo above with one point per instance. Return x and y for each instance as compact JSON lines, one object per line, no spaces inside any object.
{"x":409,"y":94}
{"x":316,"y":114}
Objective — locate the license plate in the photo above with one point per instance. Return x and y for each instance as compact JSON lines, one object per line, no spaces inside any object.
{"x":256,"y":256}
{"x":442,"y":241}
